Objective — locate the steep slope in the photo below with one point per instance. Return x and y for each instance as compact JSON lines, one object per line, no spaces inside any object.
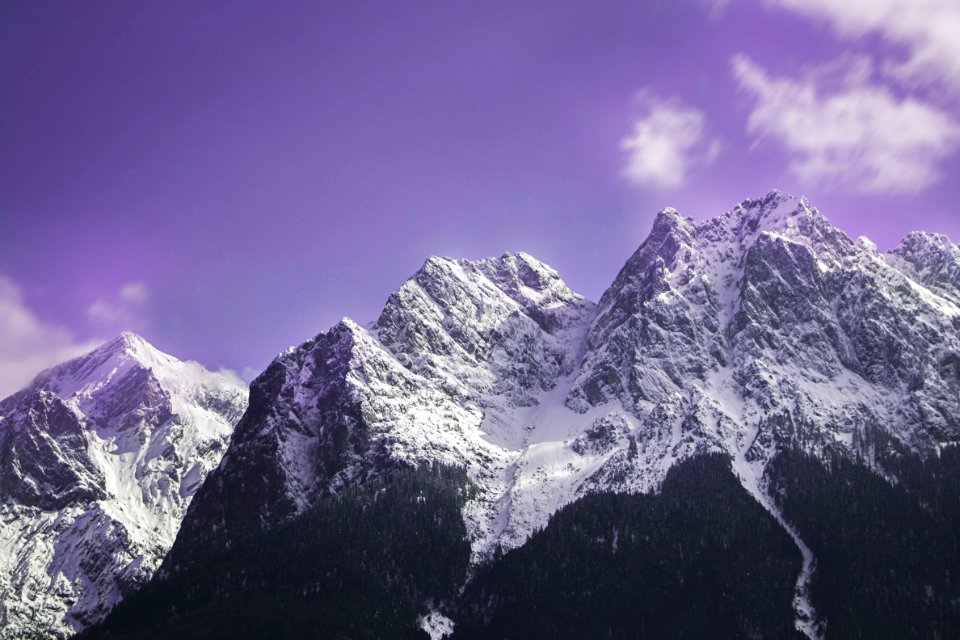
{"x":760,"y":330}
{"x":100,"y":458}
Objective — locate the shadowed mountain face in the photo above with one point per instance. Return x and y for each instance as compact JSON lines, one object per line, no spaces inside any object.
{"x":100,"y":458}
{"x":756,"y":334}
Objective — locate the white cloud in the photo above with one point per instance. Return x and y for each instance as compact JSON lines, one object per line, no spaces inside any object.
{"x":929,"y":30}
{"x":27,"y":344}
{"x":233,"y":376}
{"x":856,"y":134}
{"x":715,"y":7}
{"x":665,"y":143}
{"x":125,"y":310}
{"x":134,"y":293}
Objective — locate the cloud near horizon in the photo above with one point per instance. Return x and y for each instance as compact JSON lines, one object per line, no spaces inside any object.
{"x":124,"y":311}
{"x":666,"y":143}
{"x":854,"y":134}
{"x":928,"y":31}
{"x":28,"y":345}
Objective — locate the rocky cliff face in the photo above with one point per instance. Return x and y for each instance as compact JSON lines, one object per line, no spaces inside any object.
{"x":762,"y":328}
{"x":766,"y":326}
{"x":99,"y":458}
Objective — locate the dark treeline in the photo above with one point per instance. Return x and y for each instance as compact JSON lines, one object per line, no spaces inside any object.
{"x":699,"y":559}
{"x":886,"y":552}
{"x":702,"y":559}
{"x":358,"y":565}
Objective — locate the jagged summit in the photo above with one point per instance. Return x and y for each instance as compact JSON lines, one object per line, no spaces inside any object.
{"x":108,"y":362}
{"x":925,"y":240}
{"x":776,"y":212}
{"x":714,"y":249}
{"x":521,"y":276}
{"x":933,"y":260}
{"x":669,"y":220}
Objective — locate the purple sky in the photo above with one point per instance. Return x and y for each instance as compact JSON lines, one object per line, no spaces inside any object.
{"x":231,"y":178}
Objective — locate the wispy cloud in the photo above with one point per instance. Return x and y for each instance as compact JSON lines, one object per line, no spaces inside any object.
{"x":666,"y":142}
{"x":850,"y":132}
{"x":28,"y":344}
{"x":928,"y":30}
{"x":124,"y":310}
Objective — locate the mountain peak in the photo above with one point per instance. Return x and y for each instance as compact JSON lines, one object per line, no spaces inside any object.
{"x":114,"y":443}
{"x":129,"y":369}
{"x":776,"y":211}
{"x":128,"y":340}
{"x":772,"y":199}
{"x":133,"y":345}
{"x":109,"y":362}
{"x":538,"y":272}
{"x":669,"y":215}
{"x":669,"y":221}
{"x":925,"y":240}
{"x":932,"y":259}
{"x":519,"y":276}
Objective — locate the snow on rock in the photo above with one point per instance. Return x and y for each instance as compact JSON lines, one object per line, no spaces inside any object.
{"x":437,"y":625}
{"x":932,"y":260}
{"x":100,"y":458}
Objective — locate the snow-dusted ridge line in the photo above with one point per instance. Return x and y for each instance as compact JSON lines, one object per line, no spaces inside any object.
{"x":496,"y":365}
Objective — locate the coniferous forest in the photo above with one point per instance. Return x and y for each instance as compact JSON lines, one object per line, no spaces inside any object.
{"x":358,"y":565}
{"x":700,"y":558}
{"x":887,"y":555}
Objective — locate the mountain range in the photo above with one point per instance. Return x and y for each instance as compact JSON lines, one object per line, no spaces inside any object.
{"x":755,"y":416}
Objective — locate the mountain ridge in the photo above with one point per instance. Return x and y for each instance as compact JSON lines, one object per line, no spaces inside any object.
{"x":760,"y":331}
{"x":762,"y":328}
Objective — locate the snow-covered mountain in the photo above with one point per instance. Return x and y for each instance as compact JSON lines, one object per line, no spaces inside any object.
{"x":761,"y":328}
{"x":99,"y":458}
